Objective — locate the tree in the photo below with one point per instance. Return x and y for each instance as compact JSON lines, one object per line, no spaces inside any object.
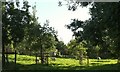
{"x":103,"y":25}
{"x":43,"y":39}
{"x":62,"y":48}
{"x":38,"y":39}
{"x":14,"y":20}
{"x":77,"y":49}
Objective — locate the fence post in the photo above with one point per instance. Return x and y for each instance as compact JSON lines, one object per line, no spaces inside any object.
{"x":15,"y":56}
{"x":47,"y":59}
{"x":81,"y":58}
{"x":42,"y":56}
{"x":87,"y":61}
{"x":36,"y":58}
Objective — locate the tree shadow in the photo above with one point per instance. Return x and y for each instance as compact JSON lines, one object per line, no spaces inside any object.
{"x":105,"y":67}
{"x":100,"y":61}
{"x":17,"y":66}
{"x":13,"y":66}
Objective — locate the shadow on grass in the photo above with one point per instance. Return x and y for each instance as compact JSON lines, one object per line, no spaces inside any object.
{"x":105,"y":67}
{"x":12,"y":66}
{"x":100,"y":61}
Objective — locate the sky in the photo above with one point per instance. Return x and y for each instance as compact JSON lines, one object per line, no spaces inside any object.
{"x":58,"y":16}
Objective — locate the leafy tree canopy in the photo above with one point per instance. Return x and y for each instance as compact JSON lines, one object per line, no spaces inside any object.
{"x":102,"y":28}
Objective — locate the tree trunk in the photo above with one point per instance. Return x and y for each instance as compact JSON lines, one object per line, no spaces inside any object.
{"x":87,"y":61}
{"x":30,"y":52}
{"x":118,"y":53}
{"x":36,"y":58}
{"x":47,"y":59}
{"x":3,"y":56}
{"x":15,"y":56}
{"x":81,"y":58}
{"x":118,"y":59}
{"x":42,"y":58}
{"x":7,"y":61}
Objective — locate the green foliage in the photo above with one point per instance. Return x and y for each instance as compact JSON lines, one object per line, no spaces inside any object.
{"x":73,"y":4}
{"x":76,"y":49}
{"x":22,"y":29}
{"x":101,"y":29}
{"x":37,"y":36}
{"x":62,"y":48}
{"x":13,"y":22}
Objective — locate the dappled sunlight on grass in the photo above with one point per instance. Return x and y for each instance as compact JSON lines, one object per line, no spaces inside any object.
{"x":65,"y":62}
{"x":23,"y":59}
{"x":102,"y":61}
{"x":25,"y":62}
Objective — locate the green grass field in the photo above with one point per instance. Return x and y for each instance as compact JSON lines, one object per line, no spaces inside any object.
{"x":25,"y":62}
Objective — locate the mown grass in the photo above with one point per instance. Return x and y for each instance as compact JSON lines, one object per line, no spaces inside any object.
{"x":25,"y":62}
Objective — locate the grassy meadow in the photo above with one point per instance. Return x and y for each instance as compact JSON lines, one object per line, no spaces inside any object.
{"x":25,"y":62}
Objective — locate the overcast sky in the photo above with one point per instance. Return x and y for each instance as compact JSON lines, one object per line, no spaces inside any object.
{"x":58,"y":16}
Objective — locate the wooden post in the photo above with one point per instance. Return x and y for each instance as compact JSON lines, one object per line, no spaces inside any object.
{"x":81,"y":57}
{"x":6,"y":55}
{"x":42,"y":57}
{"x":47,"y":59}
{"x":118,"y":60}
{"x":15,"y":56}
{"x":36,"y":58}
{"x":15,"y":59}
{"x":87,"y":61}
